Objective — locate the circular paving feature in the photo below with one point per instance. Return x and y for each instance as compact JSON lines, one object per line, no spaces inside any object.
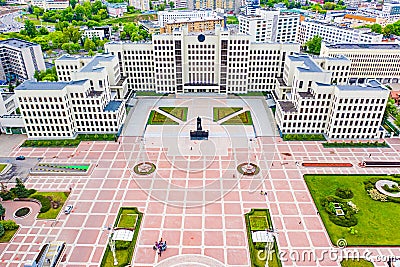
{"x":22,"y":212}
{"x":381,"y":183}
{"x":144,"y":168}
{"x":248,"y":168}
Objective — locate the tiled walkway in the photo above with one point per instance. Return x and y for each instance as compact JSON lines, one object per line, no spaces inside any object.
{"x":198,"y":212}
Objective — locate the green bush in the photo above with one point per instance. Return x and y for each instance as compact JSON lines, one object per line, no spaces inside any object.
{"x":347,"y":220}
{"x":345,"y":193}
{"x":9,"y":225}
{"x":2,"y":231}
{"x":46,"y":204}
{"x":6,"y":195}
{"x":304,"y":137}
{"x":392,"y":189}
{"x":32,"y":191}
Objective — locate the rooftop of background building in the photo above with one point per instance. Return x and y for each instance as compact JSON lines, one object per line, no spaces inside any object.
{"x":309,"y":65}
{"x":364,"y":46}
{"x":31,"y":85}
{"x":370,"y":86}
{"x":17,"y":43}
{"x":93,"y":65}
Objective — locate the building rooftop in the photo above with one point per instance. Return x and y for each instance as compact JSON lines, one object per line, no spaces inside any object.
{"x":93,"y":65}
{"x":113,"y":105}
{"x":309,"y":65}
{"x":287,"y":106}
{"x":187,"y":20}
{"x":370,"y":86}
{"x":149,"y":24}
{"x":31,"y":85}
{"x":17,"y":43}
{"x":364,"y":46}
{"x":69,"y":57}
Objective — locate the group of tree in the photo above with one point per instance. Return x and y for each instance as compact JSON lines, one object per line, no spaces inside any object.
{"x":134,"y":32}
{"x":19,"y":191}
{"x":84,"y":12}
{"x":392,"y":110}
{"x":389,"y":29}
{"x":288,"y":4}
{"x":46,"y":75}
{"x":313,"y":45}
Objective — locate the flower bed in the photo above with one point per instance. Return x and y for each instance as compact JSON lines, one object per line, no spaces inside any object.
{"x":326,"y":164}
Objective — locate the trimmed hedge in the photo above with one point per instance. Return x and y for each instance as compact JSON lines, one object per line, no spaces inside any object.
{"x":345,"y":193}
{"x":46,"y":204}
{"x":69,"y":142}
{"x":357,"y":144}
{"x":303,"y":137}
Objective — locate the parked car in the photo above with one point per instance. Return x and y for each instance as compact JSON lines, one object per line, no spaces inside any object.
{"x":68,"y":209}
{"x":20,"y":158}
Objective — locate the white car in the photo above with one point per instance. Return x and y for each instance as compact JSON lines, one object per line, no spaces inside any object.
{"x":68,"y":209}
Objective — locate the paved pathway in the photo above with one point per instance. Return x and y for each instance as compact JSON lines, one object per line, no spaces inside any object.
{"x":177,"y":212}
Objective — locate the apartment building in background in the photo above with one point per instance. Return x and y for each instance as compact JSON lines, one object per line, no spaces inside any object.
{"x":51,"y":4}
{"x":20,"y":59}
{"x":368,"y":61}
{"x":220,"y":61}
{"x":142,"y":5}
{"x":176,"y":15}
{"x":193,"y":24}
{"x":333,"y":33}
{"x":270,"y":25}
{"x":215,"y":4}
{"x":339,"y":111}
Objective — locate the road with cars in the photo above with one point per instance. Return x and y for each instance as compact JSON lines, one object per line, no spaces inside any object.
{"x":8,"y":22}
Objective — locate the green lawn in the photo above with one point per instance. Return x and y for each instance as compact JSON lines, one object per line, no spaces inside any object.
{"x":148,"y":93}
{"x":2,"y":167}
{"x":356,"y":263}
{"x":232,"y":20}
{"x":241,"y":119}
{"x":258,"y":219}
{"x":8,"y":235}
{"x":127,"y":220}
{"x":377,"y":220}
{"x":127,"y":18}
{"x":178,"y":112}
{"x":69,"y":142}
{"x":156,"y":118}
{"x":35,"y":21}
{"x":124,"y":256}
{"x":221,"y":112}
{"x":56,"y":196}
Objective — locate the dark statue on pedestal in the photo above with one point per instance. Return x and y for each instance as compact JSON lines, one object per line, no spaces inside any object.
{"x":199,"y":134}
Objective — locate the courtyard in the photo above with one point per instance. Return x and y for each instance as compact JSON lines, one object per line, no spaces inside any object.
{"x":195,"y":199}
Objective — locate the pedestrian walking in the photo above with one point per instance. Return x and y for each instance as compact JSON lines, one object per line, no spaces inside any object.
{"x":299,"y":222}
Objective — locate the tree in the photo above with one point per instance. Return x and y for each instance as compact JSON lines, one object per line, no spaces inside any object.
{"x":72,"y":34}
{"x":37,"y":11}
{"x":2,"y":211}
{"x":20,"y":190}
{"x":390,"y":109}
{"x":171,"y":4}
{"x":89,"y":45}
{"x":73,"y":3}
{"x":376,"y":28}
{"x":43,"y":31}
{"x":314,"y":45}
{"x":388,"y":30}
{"x":30,"y":28}
{"x":91,"y":53}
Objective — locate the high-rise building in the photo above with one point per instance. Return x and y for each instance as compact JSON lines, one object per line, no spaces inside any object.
{"x":140,"y":4}
{"x":270,"y":25}
{"x":193,"y":24}
{"x":220,"y":61}
{"x":20,"y":59}
{"x":214,"y":4}
{"x":177,"y":15}
{"x":51,"y":4}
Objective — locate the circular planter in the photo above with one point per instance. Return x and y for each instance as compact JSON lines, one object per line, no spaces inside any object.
{"x":22,"y":212}
{"x":248,"y":168}
{"x":144,"y":168}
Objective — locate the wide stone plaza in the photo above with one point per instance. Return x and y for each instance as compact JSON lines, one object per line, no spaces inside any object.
{"x":195,"y":199}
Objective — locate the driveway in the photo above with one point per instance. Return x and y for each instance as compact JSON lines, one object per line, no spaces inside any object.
{"x":20,"y":168}
{"x":8,"y":143}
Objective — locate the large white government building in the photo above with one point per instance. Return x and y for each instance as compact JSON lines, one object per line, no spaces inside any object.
{"x":339,"y":111}
{"x":368,"y":61}
{"x":220,"y":62}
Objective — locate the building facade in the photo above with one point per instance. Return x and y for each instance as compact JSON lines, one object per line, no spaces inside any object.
{"x":193,"y":24}
{"x":316,"y":105}
{"x":102,"y":71}
{"x":116,"y":10}
{"x":270,"y":25}
{"x":142,"y":5}
{"x":176,"y":15}
{"x":61,"y":110}
{"x":332,"y":33}
{"x":368,"y":61}
{"x":215,"y":62}
{"x":51,"y":4}
{"x":20,"y":59}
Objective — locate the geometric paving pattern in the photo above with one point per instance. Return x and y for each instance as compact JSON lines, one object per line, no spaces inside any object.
{"x":215,"y":230}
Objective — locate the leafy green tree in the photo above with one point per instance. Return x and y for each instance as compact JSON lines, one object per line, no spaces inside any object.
{"x":72,"y":34}
{"x":376,"y":28}
{"x":2,"y":2}
{"x":43,"y":31}
{"x":314,"y":45}
{"x":30,"y":28}
{"x":37,"y":11}
{"x":171,"y":4}
{"x":89,"y":45}
{"x":91,"y":53}
{"x":388,"y":30}
{"x":73,"y":3}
